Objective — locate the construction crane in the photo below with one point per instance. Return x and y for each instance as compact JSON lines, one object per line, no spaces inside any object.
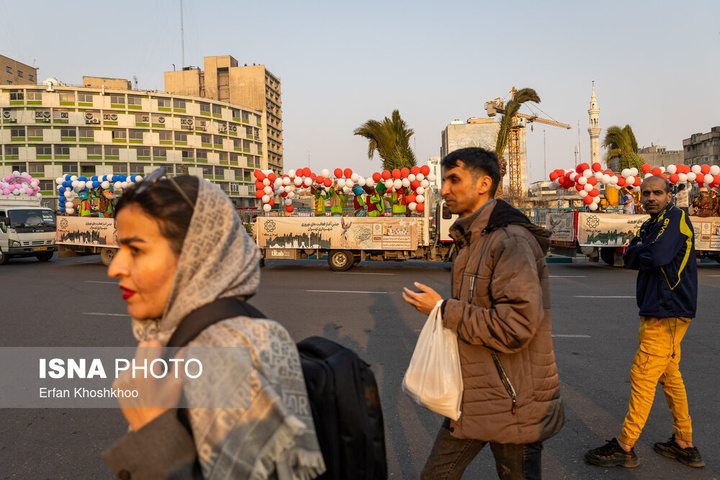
{"x":496,"y":106}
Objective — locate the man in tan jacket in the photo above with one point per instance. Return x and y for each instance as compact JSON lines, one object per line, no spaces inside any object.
{"x":500,"y":310}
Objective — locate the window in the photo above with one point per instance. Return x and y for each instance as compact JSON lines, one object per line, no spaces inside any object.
{"x":143,"y":151}
{"x":120,"y":168}
{"x":47,"y":185}
{"x":187,"y":154}
{"x":62,"y":150}
{"x":219,"y":171}
{"x":163,"y":102}
{"x":134,"y":100}
{"x":204,"y":107}
{"x":85,"y":97}
{"x":117,"y":99}
{"x":67,"y":97}
{"x":70,"y":167}
{"x":16,"y":95}
{"x":43,"y":150}
{"x":245,"y":117}
{"x":87,"y":169}
{"x":165,"y":135}
{"x":159,"y":152}
{"x":112,"y":151}
{"x":217,"y":110}
{"x":19,"y":73}
{"x":218,"y":141}
{"x":35,"y":132}
{"x":8,"y":69}
{"x":180,"y":137}
{"x":235,"y":113}
{"x":119,"y":134}
{"x":179,"y":103}
{"x":201,"y":154}
{"x":86,"y":132}
{"x":233,"y":158}
{"x":35,"y":167}
{"x":94,"y":150}
{"x":205,"y":139}
{"x":68,"y":132}
{"x":135,"y":134}
{"x":34,"y":96}
{"x":31,"y":78}
{"x":137,"y":168}
{"x":207,"y":171}
{"x":9,"y":82}
{"x":16,"y":132}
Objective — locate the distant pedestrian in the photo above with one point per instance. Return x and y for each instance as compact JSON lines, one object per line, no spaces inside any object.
{"x":716,"y":202}
{"x":664,"y":253}
{"x":703,"y":204}
{"x":628,"y":201}
{"x":682,"y":198}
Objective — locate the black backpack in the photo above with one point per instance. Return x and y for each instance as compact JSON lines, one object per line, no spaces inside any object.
{"x":342,"y":391}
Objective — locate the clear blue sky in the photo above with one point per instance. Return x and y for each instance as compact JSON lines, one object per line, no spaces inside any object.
{"x":655,"y":63}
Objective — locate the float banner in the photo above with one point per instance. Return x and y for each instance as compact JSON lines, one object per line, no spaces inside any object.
{"x":85,"y":377}
{"x":91,"y":231}
{"x":707,"y":233}
{"x":608,"y":229}
{"x":561,"y":226}
{"x":336,"y":233}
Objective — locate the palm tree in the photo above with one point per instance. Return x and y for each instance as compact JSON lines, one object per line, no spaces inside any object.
{"x":621,"y":145}
{"x":506,"y":122}
{"x":391,"y":139}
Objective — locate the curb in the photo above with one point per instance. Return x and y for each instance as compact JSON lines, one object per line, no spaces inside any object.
{"x":566,"y":259}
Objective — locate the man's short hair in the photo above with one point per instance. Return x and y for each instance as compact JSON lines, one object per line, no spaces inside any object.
{"x":655,"y":178}
{"x":479,"y":161}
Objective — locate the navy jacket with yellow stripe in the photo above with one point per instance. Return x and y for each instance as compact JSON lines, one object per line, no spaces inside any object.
{"x":664,"y":252}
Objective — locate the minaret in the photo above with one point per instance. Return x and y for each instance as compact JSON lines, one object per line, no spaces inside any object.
{"x":594,"y":129}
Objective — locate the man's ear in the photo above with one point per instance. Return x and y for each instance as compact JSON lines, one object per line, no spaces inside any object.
{"x":484,"y":183}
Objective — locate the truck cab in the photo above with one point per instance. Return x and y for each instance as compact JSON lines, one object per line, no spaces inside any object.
{"x":26,"y":229}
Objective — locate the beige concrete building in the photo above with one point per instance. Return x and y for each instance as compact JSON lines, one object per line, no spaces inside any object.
{"x":13,"y":72}
{"x":103,"y":82}
{"x":658,"y":156}
{"x":253,"y":87}
{"x":702,"y":148}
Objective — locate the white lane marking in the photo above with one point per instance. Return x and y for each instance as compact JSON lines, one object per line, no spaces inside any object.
{"x":365,"y":273}
{"x":567,"y":276}
{"x":562,"y":335}
{"x":343,"y":291}
{"x":100,"y":314}
{"x":713,"y":275}
{"x":98,"y":281}
{"x":604,"y":296}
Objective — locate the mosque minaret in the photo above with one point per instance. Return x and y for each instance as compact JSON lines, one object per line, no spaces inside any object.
{"x":594,"y":129}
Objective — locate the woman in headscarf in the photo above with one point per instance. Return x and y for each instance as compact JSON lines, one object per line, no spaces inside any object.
{"x":183,"y":246}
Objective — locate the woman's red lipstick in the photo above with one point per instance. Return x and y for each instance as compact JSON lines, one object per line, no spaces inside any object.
{"x":127,"y":293}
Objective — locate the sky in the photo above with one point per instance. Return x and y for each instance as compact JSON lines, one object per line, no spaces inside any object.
{"x":655,"y":64}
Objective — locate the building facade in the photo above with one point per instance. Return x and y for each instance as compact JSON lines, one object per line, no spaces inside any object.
{"x":13,"y":72}
{"x":253,"y":87}
{"x":52,"y":130}
{"x":659,"y":156}
{"x":702,"y":148}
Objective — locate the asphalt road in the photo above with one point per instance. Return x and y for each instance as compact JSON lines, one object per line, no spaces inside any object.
{"x":71,"y":302}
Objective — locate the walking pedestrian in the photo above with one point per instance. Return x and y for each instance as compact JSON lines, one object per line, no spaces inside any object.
{"x":500,"y":311}
{"x":664,"y":254}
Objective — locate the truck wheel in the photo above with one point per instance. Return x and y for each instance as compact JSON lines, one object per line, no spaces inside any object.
{"x":608,"y":255}
{"x":4,"y":258}
{"x":340,"y":260}
{"x":107,"y":255}
{"x":45,"y":256}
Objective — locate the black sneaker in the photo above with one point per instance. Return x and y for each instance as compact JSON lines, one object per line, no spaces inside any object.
{"x":687,"y":456}
{"x":612,"y":455}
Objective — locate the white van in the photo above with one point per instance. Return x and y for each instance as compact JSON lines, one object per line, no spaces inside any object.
{"x":26,"y":229}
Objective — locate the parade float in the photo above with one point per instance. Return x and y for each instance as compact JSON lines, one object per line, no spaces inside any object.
{"x":27,"y":229}
{"x":605,"y":235}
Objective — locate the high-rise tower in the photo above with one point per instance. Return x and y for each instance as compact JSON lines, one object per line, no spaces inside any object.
{"x":594,"y":129}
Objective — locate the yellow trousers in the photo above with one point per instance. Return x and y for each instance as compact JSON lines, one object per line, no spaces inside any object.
{"x":657,"y":361}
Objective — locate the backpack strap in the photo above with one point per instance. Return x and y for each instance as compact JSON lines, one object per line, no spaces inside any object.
{"x":198,"y":320}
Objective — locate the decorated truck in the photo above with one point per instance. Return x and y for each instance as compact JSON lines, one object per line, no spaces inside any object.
{"x":348,"y":240}
{"x":26,"y":228}
{"x":77,"y":236}
{"x":605,"y":235}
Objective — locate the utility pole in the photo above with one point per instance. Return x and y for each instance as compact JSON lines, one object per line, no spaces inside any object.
{"x":544,"y":157}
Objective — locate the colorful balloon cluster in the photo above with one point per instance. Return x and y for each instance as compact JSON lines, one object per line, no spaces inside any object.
{"x":20,"y":184}
{"x":586,"y":179}
{"x":71,"y":185}
{"x":416,"y":179}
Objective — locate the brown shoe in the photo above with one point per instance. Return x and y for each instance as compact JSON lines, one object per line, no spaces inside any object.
{"x":687,"y":456}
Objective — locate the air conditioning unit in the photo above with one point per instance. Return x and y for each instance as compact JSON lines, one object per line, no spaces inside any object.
{"x":95,"y":120}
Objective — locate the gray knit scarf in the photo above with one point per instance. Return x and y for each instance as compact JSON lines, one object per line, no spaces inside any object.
{"x":274,"y":437}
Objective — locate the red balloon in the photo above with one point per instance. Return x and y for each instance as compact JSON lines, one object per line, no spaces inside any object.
{"x":716,"y":179}
{"x":289,"y":208}
{"x":592,"y":180}
{"x":376,"y":176}
{"x":410,"y":198}
{"x":348,"y":173}
{"x":405,"y":172}
{"x":415,"y":184}
{"x":621,"y":181}
{"x":579,"y":187}
{"x":656,"y":171}
{"x":415,"y":170}
{"x":396,"y":174}
{"x":320,"y":179}
{"x":271,"y":202}
{"x":259,"y":184}
{"x":582,"y":167}
{"x":420,"y":206}
{"x":328,"y":182}
{"x":386,"y":175}
{"x":638,"y":181}
{"x":705,"y":169}
{"x":272,"y":176}
{"x":425,"y":170}
{"x":645,"y":168}
{"x":596,"y":167}
{"x":588,"y":200}
{"x":553,"y":175}
{"x":338,"y":173}
{"x":594,"y":192}
{"x":308,"y":172}
{"x":674,"y":177}
{"x":259,"y":194}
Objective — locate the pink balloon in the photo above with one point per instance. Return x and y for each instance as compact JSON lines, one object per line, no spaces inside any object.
{"x":6,"y":191}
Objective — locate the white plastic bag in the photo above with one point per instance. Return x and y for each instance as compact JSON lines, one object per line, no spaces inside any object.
{"x":434,"y":378}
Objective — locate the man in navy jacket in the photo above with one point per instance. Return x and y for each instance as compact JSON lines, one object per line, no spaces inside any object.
{"x":664,"y":254}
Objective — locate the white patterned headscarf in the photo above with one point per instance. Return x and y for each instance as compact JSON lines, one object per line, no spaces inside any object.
{"x":275,"y":437}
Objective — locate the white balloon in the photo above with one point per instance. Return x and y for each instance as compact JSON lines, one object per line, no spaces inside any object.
{"x":59,"y":180}
{"x":625,"y":173}
{"x":582,"y":180}
{"x":583,"y":193}
{"x":397,"y":184}
{"x":124,"y":184}
{"x":267,"y":207}
{"x":588,"y":187}
{"x":715,"y":170}
{"x":346,"y":190}
{"x":412,"y":206}
{"x":288,"y":201}
{"x":634,"y":172}
{"x":325,"y":173}
{"x":596,"y":199}
{"x":587,"y":173}
{"x":691,"y":177}
{"x":17,"y":174}
{"x":593,"y":206}
{"x":117,"y":185}
{"x":662,"y":169}
{"x":573,"y":176}
{"x":405,"y":182}
{"x":419,"y":177}
{"x":708,"y":178}
{"x":671,"y":169}
{"x":682,"y":178}
{"x":68,"y":194}
{"x":420,"y":190}
{"x":420,"y":199}
{"x":388,"y":184}
{"x":72,"y":178}
{"x":411,"y":177}
{"x":308,"y":181}
{"x":105,"y":185}
{"x":38,"y":194}
{"x":291,"y":173}
{"x":614,"y":179}
{"x":369,"y":182}
{"x":278,"y":182}
{"x":425,"y":183}
{"x":362,"y":181}
{"x":268,"y":190}
{"x":340,"y":182}
{"x":265,"y":198}
{"x":431,"y":177}
{"x":630,"y":180}
{"x":598,"y":175}
{"x":298,"y":181}
{"x":349,"y":183}
{"x":70,"y":210}
{"x":138,"y":178}
{"x":354,"y":177}
{"x":695,"y":169}
{"x":291,"y":195}
{"x":606,"y":179}
{"x":288,"y":188}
